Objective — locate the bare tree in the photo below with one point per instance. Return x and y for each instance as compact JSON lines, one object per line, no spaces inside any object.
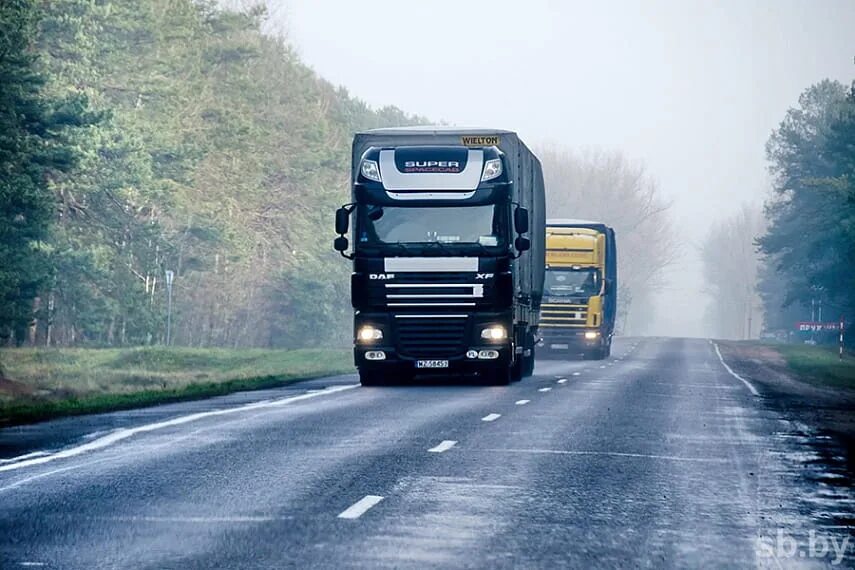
{"x":608,"y":187}
{"x":731,"y":263}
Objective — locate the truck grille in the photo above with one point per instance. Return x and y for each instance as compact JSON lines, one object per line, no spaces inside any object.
{"x":563,"y":315}
{"x":430,"y":337}
{"x":439,"y":294}
{"x":434,"y":277}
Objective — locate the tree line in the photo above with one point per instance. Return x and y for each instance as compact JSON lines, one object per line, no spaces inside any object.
{"x":141,"y":137}
{"x":803,"y":240}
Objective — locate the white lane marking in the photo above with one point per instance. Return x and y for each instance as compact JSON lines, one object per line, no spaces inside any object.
{"x":563,"y":381}
{"x":547,"y":389}
{"x":32,"y":564}
{"x":199,"y":520}
{"x":754,"y":391}
{"x":522,"y":402}
{"x":96,"y":461}
{"x":491,"y":417}
{"x":125,"y":433}
{"x":359,"y":508}
{"x":603,"y":366}
{"x":577,"y":373}
{"x":610,"y":454}
{"x":22,"y":457}
{"x":444,"y":446}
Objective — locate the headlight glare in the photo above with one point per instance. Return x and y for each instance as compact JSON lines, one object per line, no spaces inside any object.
{"x":369,"y":333}
{"x":494,"y":332}
{"x":591,"y":335}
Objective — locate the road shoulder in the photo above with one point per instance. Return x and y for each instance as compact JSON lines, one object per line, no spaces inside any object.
{"x":825,"y":408}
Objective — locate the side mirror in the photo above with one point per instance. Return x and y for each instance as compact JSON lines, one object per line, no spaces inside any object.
{"x":341,"y":244}
{"x":521,"y":220}
{"x":342,"y":221}
{"x":522,"y":244}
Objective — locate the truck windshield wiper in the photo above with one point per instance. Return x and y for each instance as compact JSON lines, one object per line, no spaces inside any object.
{"x":413,"y":248}
{"x":439,"y":245}
{"x":468,"y":246}
{"x":401,"y":246}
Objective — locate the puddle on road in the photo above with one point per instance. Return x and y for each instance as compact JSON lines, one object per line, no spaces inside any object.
{"x":818,"y":462}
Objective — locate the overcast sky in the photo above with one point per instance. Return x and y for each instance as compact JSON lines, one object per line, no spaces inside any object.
{"x":692,"y":88}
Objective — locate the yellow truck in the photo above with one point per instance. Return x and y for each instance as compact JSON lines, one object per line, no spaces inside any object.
{"x":580,"y":293}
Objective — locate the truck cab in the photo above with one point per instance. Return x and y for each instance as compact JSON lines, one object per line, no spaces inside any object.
{"x":580,"y":300}
{"x":447,"y":254}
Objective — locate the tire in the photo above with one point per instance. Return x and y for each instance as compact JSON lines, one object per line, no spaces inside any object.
{"x":518,"y":369}
{"x":501,"y":376}
{"x":528,"y":361}
{"x":609,"y":349}
{"x":528,"y":365}
{"x":598,"y":353}
{"x":367,"y":378}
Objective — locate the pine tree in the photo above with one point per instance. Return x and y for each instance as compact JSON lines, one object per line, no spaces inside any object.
{"x":31,"y":152}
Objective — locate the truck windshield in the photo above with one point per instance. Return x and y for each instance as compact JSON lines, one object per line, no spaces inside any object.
{"x":572,"y":282}
{"x":483,"y":225}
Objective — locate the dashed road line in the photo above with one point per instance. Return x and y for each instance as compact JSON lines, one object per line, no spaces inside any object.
{"x":522,"y":402}
{"x":562,"y":381}
{"x":547,"y":389}
{"x":360,"y":507}
{"x":444,"y":446}
{"x":577,"y":373}
{"x":491,"y":417}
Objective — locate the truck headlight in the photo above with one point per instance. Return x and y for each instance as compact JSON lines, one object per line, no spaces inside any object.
{"x":370,"y":170}
{"x":494,"y":332}
{"x":591,"y":335}
{"x":369,"y":334}
{"x":492,"y":169}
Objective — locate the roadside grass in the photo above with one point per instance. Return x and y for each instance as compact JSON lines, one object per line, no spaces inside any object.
{"x":47,"y":383}
{"x":820,"y":364}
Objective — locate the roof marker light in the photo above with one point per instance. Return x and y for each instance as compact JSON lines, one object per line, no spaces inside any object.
{"x":492,"y":169}
{"x":370,"y":170}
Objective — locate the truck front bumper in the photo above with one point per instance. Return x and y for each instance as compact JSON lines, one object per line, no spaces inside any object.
{"x":489,"y":357}
{"x":453,"y":340}
{"x":555,"y":341}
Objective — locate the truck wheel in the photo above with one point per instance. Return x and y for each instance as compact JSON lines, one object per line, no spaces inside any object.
{"x":372,"y":378}
{"x":609,"y":349}
{"x":528,"y":361}
{"x":599,"y":353}
{"x":528,"y":367}
{"x":501,"y":376}
{"x":518,"y":369}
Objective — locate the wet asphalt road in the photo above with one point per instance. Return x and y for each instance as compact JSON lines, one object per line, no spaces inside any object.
{"x":655,"y":457}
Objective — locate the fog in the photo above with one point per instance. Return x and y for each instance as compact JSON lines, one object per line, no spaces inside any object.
{"x":692,"y":89}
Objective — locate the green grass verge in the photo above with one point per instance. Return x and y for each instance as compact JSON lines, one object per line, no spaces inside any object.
{"x":819,"y":364}
{"x":48,"y":383}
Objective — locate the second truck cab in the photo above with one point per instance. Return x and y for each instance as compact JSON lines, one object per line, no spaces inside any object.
{"x":579,"y":304}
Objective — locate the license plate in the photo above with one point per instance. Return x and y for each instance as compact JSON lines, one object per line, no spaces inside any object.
{"x":431,"y":364}
{"x":559,"y":346}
